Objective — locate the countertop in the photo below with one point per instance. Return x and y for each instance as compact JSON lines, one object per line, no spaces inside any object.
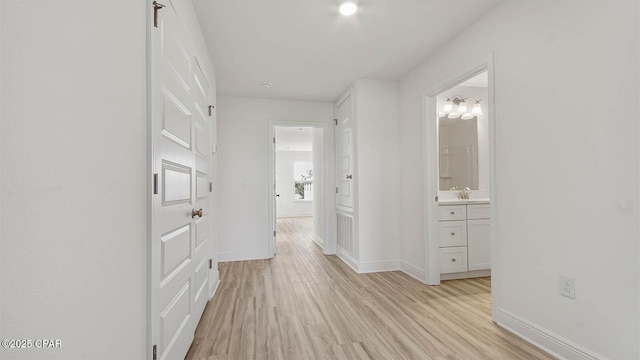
{"x":463,"y":202}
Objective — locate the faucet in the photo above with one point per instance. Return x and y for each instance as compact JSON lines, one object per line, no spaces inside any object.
{"x":464,"y":193}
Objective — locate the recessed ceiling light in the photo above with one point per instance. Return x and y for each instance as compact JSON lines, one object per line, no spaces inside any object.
{"x":266,"y":85}
{"x":348,"y":8}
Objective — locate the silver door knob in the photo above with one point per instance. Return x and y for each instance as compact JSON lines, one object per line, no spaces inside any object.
{"x":195,"y":213}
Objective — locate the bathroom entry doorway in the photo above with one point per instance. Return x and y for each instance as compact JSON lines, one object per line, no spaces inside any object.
{"x":459,"y":207}
{"x":298,"y":183}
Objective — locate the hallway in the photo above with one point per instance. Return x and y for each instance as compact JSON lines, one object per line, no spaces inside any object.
{"x":305,"y":305}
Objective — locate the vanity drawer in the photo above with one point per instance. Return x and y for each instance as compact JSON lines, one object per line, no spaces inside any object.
{"x":452,"y":212}
{"x":479,"y":211}
{"x":453,"y":259}
{"x":452,"y":233}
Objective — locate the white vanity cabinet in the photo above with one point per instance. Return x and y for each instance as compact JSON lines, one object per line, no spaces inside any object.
{"x":464,"y":237}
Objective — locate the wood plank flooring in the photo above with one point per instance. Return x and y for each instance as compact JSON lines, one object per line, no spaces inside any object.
{"x":305,"y":305}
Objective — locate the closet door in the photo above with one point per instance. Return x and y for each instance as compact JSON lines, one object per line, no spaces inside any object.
{"x":344,"y":163}
{"x":180,"y":240}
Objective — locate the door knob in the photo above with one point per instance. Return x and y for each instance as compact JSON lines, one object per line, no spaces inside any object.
{"x":195,"y":213}
{"x":349,"y":177}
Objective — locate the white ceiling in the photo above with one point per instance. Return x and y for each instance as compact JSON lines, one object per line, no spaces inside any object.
{"x":294,"y":138}
{"x":307,"y":51}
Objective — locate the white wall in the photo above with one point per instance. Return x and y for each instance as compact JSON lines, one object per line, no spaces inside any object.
{"x":286,"y":204}
{"x":566,"y":167}
{"x":74,"y":179}
{"x":74,"y":183}
{"x":243,"y":135}
{"x":378,"y":172}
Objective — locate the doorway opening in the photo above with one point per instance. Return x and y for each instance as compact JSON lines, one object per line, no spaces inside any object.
{"x":460,"y":179}
{"x":300,"y":162}
{"x":298,"y":193}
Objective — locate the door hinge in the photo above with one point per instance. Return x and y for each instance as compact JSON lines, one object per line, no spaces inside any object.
{"x":155,"y":352}
{"x":274,"y":140}
{"x":436,"y":198}
{"x":156,"y":6}
{"x":336,"y":189}
{"x":155,"y":184}
{"x":210,"y":187}
{"x":336,"y":121}
{"x":210,"y":263}
{"x":211,"y":107}
{"x":274,"y":233}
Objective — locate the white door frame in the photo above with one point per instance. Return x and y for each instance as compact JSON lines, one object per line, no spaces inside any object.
{"x":328,"y":181}
{"x":430,"y":141}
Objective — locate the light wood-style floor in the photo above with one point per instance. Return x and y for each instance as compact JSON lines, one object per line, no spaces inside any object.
{"x":303,"y":305}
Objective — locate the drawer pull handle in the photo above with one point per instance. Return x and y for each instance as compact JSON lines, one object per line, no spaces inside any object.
{"x":453,"y":234}
{"x":454,"y":260}
{"x":453,"y":213}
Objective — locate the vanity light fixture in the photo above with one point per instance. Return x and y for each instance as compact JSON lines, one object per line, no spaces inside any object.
{"x":448,"y":107}
{"x":462,"y":109}
{"x":453,"y":115}
{"x":347,"y":8}
{"x":476,"y":109}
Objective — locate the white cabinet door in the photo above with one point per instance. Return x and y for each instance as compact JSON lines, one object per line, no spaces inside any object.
{"x":479,"y":244}
{"x":344,"y":165}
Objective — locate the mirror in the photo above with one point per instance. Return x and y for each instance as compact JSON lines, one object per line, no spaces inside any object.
{"x":463,"y":147}
{"x":458,"y":153}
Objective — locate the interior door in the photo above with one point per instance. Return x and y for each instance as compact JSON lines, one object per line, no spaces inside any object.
{"x":344,"y":139}
{"x":203,"y":243}
{"x":179,"y":204}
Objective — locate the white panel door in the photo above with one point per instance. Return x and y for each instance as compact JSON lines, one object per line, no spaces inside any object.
{"x":179,"y":231}
{"x":479,"y":244}
{"x":344,"y":163}
{"x":202,"y":145}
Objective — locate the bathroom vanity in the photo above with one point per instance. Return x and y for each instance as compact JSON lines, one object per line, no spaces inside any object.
{"x":464,"y":237}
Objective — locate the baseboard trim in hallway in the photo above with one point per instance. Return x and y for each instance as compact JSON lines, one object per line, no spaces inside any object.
{"x":545,"y":339}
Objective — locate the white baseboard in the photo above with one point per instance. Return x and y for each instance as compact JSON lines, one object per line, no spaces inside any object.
{"x":215,"y":289}
{"x":316,"y":239}
{"x":465,"y":275}
{"x":378,"y":266}
{"x":347,"y":258}
{"x":242,"y":256}
{"x":544,"y":339}
{"x":368,"y":266}
{"x":414,"y":271}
